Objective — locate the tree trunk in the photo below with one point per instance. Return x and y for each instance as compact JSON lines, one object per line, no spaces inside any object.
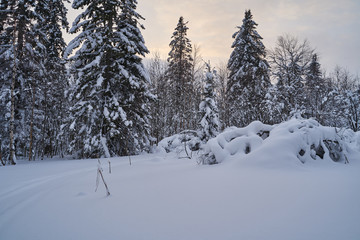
{"x":44,"y":125}
{"x":12,"y":115}
{"x":32,"y":123}
{"x":1,"y":159}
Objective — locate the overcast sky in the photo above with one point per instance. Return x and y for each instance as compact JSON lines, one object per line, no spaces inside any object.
{"x":331,"y":26}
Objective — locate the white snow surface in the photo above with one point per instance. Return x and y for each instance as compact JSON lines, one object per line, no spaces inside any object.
{"x":161,"y":197}
{"x":267,"y":193}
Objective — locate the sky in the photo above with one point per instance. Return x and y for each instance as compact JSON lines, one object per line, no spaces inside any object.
{"x":332,"y":27}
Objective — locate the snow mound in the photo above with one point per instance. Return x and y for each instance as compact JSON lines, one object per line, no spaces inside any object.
{"x":357,"y":140}
{"x":186,"y":141}
{"x":296,"y":139}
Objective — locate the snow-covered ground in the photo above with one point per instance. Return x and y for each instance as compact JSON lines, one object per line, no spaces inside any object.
{"x":161,"y":197}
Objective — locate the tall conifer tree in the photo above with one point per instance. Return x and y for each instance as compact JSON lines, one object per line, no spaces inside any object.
{"x":50,"y":103}
{"x":249,"y":75}
{"x":21,"y":69}
{"x":110,"y":112}
{"x":315,"y":90}
{"x":180,"y":79}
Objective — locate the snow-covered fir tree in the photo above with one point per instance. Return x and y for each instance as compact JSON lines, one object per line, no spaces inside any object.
{"x":290,"y":86}
{"x":5,"y":110}
{"x":180,"y":79}
{"x":249,"y":75}
{"x":274,"y":106}
{"x":5,"y":83}
{"x":110,"y":112}
{"x":315,"y":90}
{"x":209,"y":124}
{"x":49,"y":101}
{"x":21,"y":70}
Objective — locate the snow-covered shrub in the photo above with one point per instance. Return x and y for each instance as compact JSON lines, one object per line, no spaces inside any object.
{"x":300,"y":139}
{"x":235,"y":141}
{"x":357,"y":138}
{"x":186,"y":141}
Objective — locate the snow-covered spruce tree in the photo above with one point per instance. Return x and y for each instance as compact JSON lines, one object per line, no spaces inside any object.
{"x":315,"y":90}
{"x":51,"y":102}
{"x":5,"y":82}
{"x":109,"y":115}
{"x":21,"y":71}
{"x":5,"y":109}
{"x":249,"y":75}
{"x":274,"y":105}
{"x":291,"y":88}
{"x":209,"y":124}
{"x":180,"y":79}
{"x":290,"y":60}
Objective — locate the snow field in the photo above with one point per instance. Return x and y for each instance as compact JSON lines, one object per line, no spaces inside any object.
{"x":162,"y":197}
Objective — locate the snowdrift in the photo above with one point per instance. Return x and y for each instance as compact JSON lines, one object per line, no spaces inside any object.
{"x":297,"y":139}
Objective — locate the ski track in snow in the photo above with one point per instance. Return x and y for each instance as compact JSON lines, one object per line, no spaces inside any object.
{"x":23,"y":194}
{"x":161,"y":197}
{"x":27,"y":193}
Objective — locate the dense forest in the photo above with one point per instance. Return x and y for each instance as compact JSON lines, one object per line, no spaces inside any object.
{"x":97,"y":97}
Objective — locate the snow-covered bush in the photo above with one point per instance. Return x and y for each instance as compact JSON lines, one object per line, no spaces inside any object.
{"x":300,"y":139}
{"x":184,"y":142}
{"x":357,"y":140}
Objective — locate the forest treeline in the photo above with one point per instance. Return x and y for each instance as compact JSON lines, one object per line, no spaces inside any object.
{"x":95,"y":97}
